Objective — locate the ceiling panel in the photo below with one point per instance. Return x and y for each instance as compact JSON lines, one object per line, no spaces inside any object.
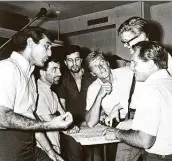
{"x":68,"y":9}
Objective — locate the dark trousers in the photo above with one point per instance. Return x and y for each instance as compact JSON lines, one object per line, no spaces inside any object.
{"x":71,"y":150}
{"x":155,"y":157}
{"x":126,"y":152}
{"x":20,"y":146}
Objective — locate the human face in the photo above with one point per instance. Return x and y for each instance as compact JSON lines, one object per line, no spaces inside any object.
{"x":52,"y":74}
{"x":129,"y":39}
{"x":140,"y":68}
{"x":40,"y":52}
{"x":100,"y":68}
{"x":73,"y":62}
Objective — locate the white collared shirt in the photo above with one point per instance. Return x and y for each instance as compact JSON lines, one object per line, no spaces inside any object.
{"x":48,"y":103}
{"x":122,"y":80}
{"x":17,"y":85}
{"x":154,"y":111}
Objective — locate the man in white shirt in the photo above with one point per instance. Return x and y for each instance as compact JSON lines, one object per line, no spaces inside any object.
{"x":19,"y":96}
{"x":132,"y":31}
{"x":48,"y":102}
{"x":109,"y":93}
{"x":150,"y":128}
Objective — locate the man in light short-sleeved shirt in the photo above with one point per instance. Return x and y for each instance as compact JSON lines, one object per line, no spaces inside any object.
{"x":152,"y":121}
{"x":48,"y":102}
{"x":110,"y":90}
{"x":18,"y":98}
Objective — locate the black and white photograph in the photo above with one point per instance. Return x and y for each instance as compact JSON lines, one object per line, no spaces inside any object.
{"x":86,"y":80}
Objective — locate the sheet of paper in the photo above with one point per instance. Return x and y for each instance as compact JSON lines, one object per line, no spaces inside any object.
{"x":91,"y":136}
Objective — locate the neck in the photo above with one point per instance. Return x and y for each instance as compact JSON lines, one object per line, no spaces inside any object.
{"x":45,"y":81}
{"x":27,"y":55}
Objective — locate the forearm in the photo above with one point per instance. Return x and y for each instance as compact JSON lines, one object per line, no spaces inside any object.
{"x":43,"y":141}
{"x":114,"y":111}
{"x":63,"y":103}
{"x":9,"y":119}
{"x":136,"y":138}
{"x":93,"y":115}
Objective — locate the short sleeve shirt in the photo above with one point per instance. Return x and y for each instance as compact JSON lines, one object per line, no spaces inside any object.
{"x":17,"y":85}
{"x":153,"y":111}
{"x":48,"y":102}
{"x":122,"y":80}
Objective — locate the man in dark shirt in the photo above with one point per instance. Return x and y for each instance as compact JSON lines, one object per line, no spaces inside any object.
{"x":72,"y":94}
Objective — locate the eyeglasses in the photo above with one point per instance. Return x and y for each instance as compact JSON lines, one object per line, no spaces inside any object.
{"x":128,"y":42}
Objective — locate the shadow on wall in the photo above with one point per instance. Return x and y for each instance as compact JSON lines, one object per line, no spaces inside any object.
{"x":157,"y":34}
{"x":116,"y":61}
{"x":155,"y":31}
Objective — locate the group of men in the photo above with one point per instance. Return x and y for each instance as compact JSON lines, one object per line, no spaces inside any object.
{"x":31,"y":114}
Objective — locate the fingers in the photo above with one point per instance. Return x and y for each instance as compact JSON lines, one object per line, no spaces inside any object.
{"x":125,"y":125}
{"x":107,"y":88}
{"x":67,"y":117}
{"x":119,"y":125}
{"x":108,"y":121}
{"x":74,"y":130}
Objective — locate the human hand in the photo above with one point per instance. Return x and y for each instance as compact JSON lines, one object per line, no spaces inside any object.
{"x":109,"y":121}
{"x":54,"y":156}
{"x":73,"y":130}
{"x":111,"y":134}
{"x":125,"y":125}
{"x":62,"y":121}
{"x":105,"y":89}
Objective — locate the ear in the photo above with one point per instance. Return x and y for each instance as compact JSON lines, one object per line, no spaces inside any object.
{"x":42,"y":72}
{"x":81,"y":60}
{"x":65,"y":62}
{"x":108,"y":63}
{"x":93,"y":74}
{"x":151,"y":64}
{"x":30,"y":42}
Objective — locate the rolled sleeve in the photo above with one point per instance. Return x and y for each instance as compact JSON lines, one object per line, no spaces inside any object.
{"x":91,"y":95}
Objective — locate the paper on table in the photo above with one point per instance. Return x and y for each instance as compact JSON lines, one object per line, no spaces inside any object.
{"x":91,"y":136}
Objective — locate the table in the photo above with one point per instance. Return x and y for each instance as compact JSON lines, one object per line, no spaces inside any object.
{"x":92,"y":136}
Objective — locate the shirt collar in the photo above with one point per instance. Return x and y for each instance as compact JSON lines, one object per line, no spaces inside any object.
{"x":158,"y":74}
{"x":23,"y":63}
{"x":44,"y":85}
{"x":114,"y":78}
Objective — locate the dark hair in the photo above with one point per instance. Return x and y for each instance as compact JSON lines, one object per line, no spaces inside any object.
{"x":92,"y":56}
{"x":72,"y":49}
{"x":135,"y":25}
{"x":37,"y":69}
{"x":36,"y":33}
{"x":50,"y":59}
{"x":151,"y":50}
